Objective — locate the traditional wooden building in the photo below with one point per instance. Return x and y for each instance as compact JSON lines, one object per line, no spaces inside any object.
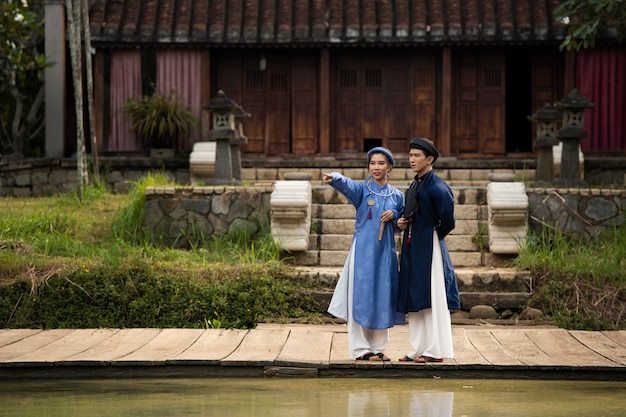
{"x":334,"y":77}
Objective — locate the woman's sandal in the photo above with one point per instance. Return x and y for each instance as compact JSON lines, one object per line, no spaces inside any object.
{"x":373,"y":357}
{"x":405,"y":358}
{"x":427,"y":359}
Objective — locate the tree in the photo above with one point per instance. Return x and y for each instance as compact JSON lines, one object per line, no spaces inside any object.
{"x":586,"y":19}
{"x":21,"y":73}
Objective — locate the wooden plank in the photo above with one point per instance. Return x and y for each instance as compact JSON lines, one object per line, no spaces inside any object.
{"x":8,"y":336}
{"x":564,"y":349}
{"x":398,"y":342}
{"x":167,"y":344}
{"x":259,"y":347}
{"x":118,"y":345}
{"x":339,"y":351}
{"x":606,"y":344}
{"x":306,"y":346}
{"x":519,"y":346}
{"x":465,"y":353}
{"x":77,"y":341}
{"x":484,"y":342}
{"x":618,"y":336}
{"x":31,"y":343}
{"x":212,"y":346}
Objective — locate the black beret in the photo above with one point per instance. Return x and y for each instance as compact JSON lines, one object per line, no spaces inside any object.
{"x":426,"y":146}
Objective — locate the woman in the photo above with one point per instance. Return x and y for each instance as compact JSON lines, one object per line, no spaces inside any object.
{"x":366,"y":291}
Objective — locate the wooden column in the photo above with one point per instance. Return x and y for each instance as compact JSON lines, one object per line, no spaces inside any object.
{"x":99,"y":98}
{"x":444,"y":139}
{"x":205,"y":94}
{"x":569,"y":72}
{"x":324,"y":93}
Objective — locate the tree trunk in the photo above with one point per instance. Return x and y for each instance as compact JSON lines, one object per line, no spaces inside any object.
{"x":73,"y":18}
{"x":89,"y":74}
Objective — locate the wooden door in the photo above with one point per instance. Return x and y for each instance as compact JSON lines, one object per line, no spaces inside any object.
{"x":545,"y":78}
{"x":304,"y":108}
{"x":424,"y":109}
{"x":265,"y":93}
{"x":398,"y":103}
{"x":278,"y":111}
{"x":480,"y":107}
{"x":382,"y":98}
{"x":347,"y":106}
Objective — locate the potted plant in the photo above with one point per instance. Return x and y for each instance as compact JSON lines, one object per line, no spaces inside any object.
{"x":160,"y":120}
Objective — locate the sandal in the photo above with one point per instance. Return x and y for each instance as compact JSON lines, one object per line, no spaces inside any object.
{"x":405,"y":358}
{"x":427,"y":359}
{"x":368,"y":357}
{"x":383,"y":357}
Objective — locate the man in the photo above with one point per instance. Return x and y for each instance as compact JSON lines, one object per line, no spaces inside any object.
{"x":427,"y":287}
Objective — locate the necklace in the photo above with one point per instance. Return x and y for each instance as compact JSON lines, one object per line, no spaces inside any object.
{"x":377,"y":193}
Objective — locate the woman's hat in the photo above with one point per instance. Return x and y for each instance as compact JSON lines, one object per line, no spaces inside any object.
{"x":384,"y":151}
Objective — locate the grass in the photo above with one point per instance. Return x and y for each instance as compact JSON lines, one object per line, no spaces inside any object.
{"x":580,"y":283}
{"x":89,"y":263}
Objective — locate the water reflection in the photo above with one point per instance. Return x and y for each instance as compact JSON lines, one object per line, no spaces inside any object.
{"x":426,"y":404}
{"x":310,"y":397}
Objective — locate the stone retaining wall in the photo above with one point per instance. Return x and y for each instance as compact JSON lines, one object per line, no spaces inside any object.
{"x":578,"y":213}
{"x":182,"y":217}
{"x":179,"y":215}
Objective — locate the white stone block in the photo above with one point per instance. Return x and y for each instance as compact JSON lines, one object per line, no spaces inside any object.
{"x":202,"y":162}
{"x":508,"y":216}
{"x":290,"y":210}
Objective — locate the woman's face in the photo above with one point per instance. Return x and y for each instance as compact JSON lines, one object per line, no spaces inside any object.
{"x":379,"y":167}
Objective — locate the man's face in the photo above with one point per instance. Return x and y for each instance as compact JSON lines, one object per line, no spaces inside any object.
{"x":419,"y":161}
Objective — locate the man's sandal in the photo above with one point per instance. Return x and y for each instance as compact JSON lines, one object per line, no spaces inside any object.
{"x":427,"y":359}
{"x":368,"y":357}
{"x":405,"y":358}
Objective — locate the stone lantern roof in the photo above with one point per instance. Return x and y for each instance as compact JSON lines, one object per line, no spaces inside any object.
{"x":546,"y":114}
{"x":221,"y":102}
{"x":574,"y":101}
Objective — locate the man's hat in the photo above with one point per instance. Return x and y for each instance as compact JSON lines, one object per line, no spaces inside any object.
{"x":426,"y":146}
{"x":384,"y":151}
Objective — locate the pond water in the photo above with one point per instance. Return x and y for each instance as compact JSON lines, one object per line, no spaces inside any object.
{"x":297,"y":397}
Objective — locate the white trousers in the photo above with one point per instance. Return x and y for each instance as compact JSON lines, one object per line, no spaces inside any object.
{"x":430,"y":330}
{"x":361,"y":340}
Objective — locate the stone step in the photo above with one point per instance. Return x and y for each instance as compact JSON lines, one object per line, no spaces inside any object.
{"x":332,"y":228}
{"x":506,"y":280}
{"x":463,"y":194}
{"x":500,"y":288}
{"x":497,"y":300}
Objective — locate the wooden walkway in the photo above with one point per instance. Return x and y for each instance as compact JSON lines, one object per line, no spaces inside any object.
{"x":306,"y":351}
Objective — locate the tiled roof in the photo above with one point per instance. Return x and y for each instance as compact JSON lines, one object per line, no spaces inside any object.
{"x":323,"y":22}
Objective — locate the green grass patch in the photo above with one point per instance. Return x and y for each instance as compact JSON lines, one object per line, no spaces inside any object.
{"x":80,"y":264}
{"x":580,"y":283}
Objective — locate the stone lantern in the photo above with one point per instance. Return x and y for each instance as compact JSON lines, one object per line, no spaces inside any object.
{"x":572,"y":131}
{"x":547,"y":119}
{"x":224,"y":132}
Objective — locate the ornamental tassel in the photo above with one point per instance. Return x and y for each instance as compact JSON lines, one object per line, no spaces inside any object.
{"x":408,"y":238}
{"x":369,"y":213}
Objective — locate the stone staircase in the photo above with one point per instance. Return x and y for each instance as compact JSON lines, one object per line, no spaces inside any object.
{"x":484,"y":278}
